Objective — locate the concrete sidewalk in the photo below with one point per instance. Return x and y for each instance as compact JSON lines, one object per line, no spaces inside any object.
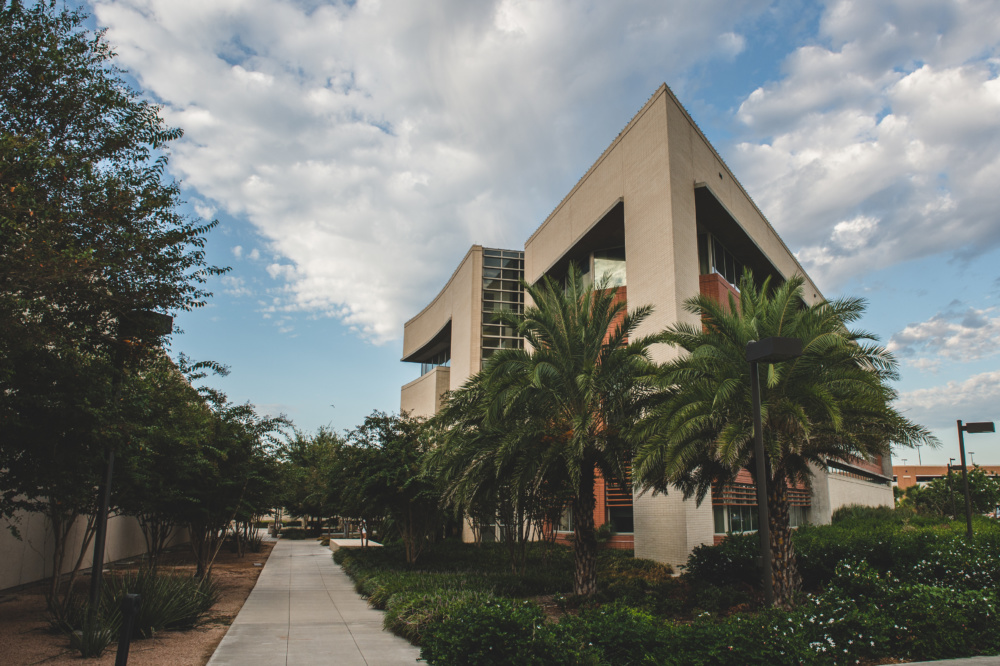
{"x":304,"y":610}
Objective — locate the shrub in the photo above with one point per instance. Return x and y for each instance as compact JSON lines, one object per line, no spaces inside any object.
{"x":618,"y":634}
{"x":72,"y":621}
{"x":409,"y":614}
{"x":503,"y":631}
{"x":168,"y":602}
{"x":293,"y":533}
{"x":733,"y":561}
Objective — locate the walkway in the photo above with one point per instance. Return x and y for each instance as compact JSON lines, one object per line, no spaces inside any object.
{"x":304,"y":610}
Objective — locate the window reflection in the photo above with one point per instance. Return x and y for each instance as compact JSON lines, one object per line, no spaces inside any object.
{"x":610,"y":265}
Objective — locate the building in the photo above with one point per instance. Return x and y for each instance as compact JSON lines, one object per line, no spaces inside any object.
{"x":905,"y":476}
{"x":662,"y":214}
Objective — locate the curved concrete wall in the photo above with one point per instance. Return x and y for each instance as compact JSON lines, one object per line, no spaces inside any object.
{"x":460,"y":301}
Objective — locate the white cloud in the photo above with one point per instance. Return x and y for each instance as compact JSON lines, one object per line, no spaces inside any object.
{"x":974,"y":399}
{"x":925,"y":364}
{"x":882,"y":141}
{"x":372,"y":142}
{"x":235,"y":286}
{"x":254,"y":254}
{"x":958,"y":334}
{"x":203,"y":209}
{"x":237,"y":251}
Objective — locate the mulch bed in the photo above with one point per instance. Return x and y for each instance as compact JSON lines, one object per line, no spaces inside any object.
{"x":26,"y":637}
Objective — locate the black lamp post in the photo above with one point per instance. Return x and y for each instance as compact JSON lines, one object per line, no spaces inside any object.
{"x":136,"y":327}
{"x":768,"y":350}
{"x":981,"y":426}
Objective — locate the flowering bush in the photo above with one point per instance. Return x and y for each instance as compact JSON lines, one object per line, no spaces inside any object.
{"x":886,"y":586}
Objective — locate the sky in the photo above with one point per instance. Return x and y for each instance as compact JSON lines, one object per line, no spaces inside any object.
{"x":353,"y":151}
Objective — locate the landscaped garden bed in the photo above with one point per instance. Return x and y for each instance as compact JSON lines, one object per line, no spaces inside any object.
{"x":880,"y":586}
{"x":27,"y":634}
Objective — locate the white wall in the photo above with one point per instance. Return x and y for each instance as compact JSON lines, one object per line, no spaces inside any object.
{"x":30,"y":559}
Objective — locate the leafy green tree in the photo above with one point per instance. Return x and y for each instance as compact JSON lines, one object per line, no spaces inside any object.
{"x":223,"y":473}
{"x":308,"y":463}
{"x":168,"y":419}
{"x":90,"y":230}
{"x":833,"y":402}
{"x":946,"y":496}
{"x":382,"y":472}
{"x":50,"y":455}
{"x":551,"y":416}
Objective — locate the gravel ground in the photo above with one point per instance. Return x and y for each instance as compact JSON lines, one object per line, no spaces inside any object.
{"x":27,"y":638}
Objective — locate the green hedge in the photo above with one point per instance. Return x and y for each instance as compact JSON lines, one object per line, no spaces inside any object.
{"x":886,"y":586}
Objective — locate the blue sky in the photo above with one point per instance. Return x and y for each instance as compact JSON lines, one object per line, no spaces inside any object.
{"x":352,"y":151}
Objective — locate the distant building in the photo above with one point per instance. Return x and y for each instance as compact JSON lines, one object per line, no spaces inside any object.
{"x":663,"y":216}
{"x":905,"y":476}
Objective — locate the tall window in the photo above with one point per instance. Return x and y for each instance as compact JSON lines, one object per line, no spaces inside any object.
{"x":714,"y":257}
{"x":502,"y":273}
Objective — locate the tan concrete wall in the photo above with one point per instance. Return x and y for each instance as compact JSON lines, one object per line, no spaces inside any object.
{"x":422,"y":396}
{"x":30,"y":559}
{"x":845,"y":491}
{"x":668,"y":528}
{"x":694,"y":161}
{"x":460,"y":301}
{"x":653,"y":166}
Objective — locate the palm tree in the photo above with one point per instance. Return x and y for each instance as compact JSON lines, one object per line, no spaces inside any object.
{"x":833,"y":402}
{"x":545,"y":418}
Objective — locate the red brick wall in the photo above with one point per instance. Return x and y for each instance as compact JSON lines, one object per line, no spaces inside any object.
{"x":715,"y":287}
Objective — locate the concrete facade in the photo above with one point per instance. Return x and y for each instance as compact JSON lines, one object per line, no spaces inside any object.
{"x":422,"y":396}
{"x":656,"y":190}
{"x":29,"y":559}
{"x":450,"y":321}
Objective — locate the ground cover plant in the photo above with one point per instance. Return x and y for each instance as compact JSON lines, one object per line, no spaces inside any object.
{"x":881,"y":586}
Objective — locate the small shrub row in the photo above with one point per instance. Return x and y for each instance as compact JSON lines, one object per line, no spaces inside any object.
{"x":911,"y":622}
{"x":914,"y":548}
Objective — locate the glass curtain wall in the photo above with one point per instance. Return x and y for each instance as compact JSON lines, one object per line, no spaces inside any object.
{"x":502,"y":274}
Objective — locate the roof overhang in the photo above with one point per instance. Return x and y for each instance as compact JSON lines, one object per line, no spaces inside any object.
{"x":713,"y":217}
{"x":434,"y":346}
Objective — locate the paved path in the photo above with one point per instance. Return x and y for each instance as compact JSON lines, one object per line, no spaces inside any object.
{"x":304,"y":610}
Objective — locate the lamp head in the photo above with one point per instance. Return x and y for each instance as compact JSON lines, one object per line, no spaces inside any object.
{"x":773,"y":350}
{"x":981,"y":426}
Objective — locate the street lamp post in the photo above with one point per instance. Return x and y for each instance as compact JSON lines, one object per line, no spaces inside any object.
{"x":141,"y":324}
{"x":768,"y":350}
{"x":981,"y":426}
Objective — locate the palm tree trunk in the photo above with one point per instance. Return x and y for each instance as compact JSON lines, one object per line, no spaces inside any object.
{"x":785,"y":579}
{"x":584,"y":541}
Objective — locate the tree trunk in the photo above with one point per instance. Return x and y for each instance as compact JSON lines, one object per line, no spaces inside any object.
{"x":89,"y":530}
{"x":58,"y":523}
{"x":584,"y":540}
{"x":785,"y":579}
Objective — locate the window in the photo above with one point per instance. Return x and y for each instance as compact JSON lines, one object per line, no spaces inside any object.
{"x":502,"y":273}
{"x":714,"y":257}
{"x":566,"y":520}
{"x":442,"y":358}
{"x":621,"y":519}
{"x":743,"y":518}
{"x":610,"y":265}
